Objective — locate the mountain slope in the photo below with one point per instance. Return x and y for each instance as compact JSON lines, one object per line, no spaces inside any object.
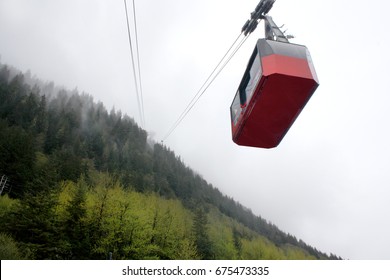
{"x":64,"y":153}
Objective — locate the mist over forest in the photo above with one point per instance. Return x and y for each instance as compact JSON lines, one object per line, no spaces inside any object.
{"x":81,"y":182}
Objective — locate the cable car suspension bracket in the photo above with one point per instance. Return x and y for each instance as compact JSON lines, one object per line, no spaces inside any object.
{"x":273,"y":32}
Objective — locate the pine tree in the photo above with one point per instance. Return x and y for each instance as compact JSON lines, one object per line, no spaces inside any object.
{"x":35,"y":225}
{"x":75,"y":225}
{"x":202,"y":240}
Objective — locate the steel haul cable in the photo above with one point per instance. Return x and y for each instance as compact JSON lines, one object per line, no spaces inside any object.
{"x":139,"y":65}
{"x":217,"y":70}
{"x":138,"y":85}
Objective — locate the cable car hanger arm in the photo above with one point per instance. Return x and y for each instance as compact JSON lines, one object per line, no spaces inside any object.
{"x":272,"y":31}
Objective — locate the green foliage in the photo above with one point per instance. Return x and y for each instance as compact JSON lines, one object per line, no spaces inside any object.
{"x":17,"y":154}
{"x":7,"y":205}
{"x":85,"y":184}
{"x":33,"y":224}
{"x":108,"y":218}
{"x":221,"y":235}
{"x":202,"y":240}
{"x":8,"y":248}
{"x":73,"y":220}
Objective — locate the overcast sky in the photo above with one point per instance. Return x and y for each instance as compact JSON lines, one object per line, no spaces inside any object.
{"x":328,"y":182}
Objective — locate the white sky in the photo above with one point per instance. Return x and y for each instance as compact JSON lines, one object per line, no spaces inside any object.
{"x":327,"y":182}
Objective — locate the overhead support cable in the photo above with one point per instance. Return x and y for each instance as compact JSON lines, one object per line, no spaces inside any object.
{"x":137,"y":81}
{"x":139,"y":65}
{"x":210,"y":79}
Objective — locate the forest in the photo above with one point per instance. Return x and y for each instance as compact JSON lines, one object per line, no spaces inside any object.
{"x":81,"y":182}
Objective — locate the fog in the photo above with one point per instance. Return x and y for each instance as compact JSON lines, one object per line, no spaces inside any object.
{"x":327,"y":183}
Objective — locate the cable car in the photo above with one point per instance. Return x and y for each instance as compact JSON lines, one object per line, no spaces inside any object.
{"x":278,"y":82}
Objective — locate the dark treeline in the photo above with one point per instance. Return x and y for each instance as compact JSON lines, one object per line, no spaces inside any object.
{"x":66,"y":158}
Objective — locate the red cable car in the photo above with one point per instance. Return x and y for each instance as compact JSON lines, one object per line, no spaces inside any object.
{"x":278,"y":82}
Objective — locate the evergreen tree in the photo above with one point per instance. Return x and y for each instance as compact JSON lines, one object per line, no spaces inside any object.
{"x":17,"y":156}
{"x":202,"y":241}
{"x":8,"y":248}
{"x":75,"y":227}
{"x":35,"y":226}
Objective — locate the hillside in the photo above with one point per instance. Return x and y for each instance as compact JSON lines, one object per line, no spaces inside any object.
{"x":85,"y":183}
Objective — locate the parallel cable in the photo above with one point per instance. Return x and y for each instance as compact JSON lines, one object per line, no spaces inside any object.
{"x":139,"y":96}
{"x":139,"y":64}
{"x":210,"y":79}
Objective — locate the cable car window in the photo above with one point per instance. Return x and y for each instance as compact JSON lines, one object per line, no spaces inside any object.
{"x":254,"y":76}
{"x":247,"y":87}
{"x":235,"y":109}
{"x":251,"y":77}
{"x":242,"y":89}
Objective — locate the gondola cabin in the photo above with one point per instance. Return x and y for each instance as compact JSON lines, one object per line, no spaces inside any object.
{"x":278,"y":82}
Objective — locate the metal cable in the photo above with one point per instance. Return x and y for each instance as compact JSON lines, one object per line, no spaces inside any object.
{"x":210,"y":79}
{"x":139,"y":65}
{"x":139,"y":96}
